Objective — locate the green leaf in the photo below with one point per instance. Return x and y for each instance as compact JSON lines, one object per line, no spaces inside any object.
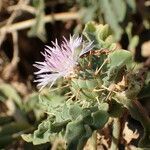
{"x":83,"y":89}
{"x":119,"y":58}
{"x":133,"y":42}
{"x":91,"y":15}
{"x":6,"y":140}
{"x":11,"y":132}
{"x":119,"y":62}
{"x":59,"y":126}
{"x":41,"y":135}
{"x":77,"y":134}
{"x":99,"y":119}
{"x":119,"y":9}
{"x":9,"y":92}
{"x":131,"y":4}
{"x":31,"y":102}
{"x":116,"y":109}
{"x":75,"y":111}
{"x":103,"y":106}
{"x":5,"y":119}
{"x":86,"y":83}
{"x":56,"y":106}
{"x":101,"y":35}
{"x":38,"y":28}
{"x":103,"y":32}
{"x":89,"y":31}
{"x":78,"y":131}
{"x":46,"y":132}
{"x":111,"y":18}
{"x":51,"y":102}
{"x":12,"y":128}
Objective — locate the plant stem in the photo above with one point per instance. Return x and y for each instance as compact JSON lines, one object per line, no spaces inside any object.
{"x":115,"y":134}
{"x":94,"y":140}
{"x":48,"y":18}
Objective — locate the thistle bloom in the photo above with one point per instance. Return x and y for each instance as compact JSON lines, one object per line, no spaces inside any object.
{"x":60,"y":61}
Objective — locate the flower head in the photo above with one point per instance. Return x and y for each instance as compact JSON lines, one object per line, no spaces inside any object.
{"x":60,"y":61}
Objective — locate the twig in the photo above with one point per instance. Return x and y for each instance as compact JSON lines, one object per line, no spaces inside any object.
{"x":10,"y":68}
{"x":10,"y":20}
{"x":27,"y":8}
{"x":15,"y":58}
{"x":100,"y":68}
{"x":48,"y":18}
{"x":110,"y":90}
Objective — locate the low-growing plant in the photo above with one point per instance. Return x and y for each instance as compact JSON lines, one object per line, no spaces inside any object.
{"x":101,"y":82}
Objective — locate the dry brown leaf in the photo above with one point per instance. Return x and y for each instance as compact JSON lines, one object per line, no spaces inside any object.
{"x":121,"y":85}
{"x":101,"y":140}
{"x":128,"y":134}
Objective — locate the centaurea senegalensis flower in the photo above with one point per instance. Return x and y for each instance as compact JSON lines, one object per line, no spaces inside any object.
{"x":60,"y":61}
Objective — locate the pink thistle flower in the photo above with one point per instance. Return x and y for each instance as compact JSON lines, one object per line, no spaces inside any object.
{"x":60,"y":61}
